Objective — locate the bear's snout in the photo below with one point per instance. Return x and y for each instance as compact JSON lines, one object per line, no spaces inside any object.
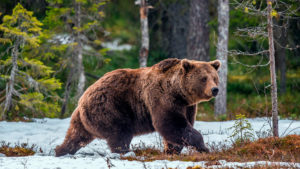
{"x":214,"y":91}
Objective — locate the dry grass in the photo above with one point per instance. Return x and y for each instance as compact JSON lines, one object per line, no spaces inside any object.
{"x":266,"y":166}
{"x":18,"y":150}
{"x":20,"y":119}
{"x":286,"y":149}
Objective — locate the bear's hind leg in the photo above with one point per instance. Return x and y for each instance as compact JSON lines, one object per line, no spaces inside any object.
{"x":76,"y":138}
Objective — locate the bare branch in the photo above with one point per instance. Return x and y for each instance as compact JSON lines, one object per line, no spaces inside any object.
{"x":31,"y":82}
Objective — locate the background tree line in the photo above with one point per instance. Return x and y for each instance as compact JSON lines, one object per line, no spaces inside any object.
{"x":68,"y":54}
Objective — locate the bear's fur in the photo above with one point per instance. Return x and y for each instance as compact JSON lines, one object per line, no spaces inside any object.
{"x":128,"y":102}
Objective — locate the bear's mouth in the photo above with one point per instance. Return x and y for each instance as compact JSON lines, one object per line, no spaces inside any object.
{"x":208,"y":97}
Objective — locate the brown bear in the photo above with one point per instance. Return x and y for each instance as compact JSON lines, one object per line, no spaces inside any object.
{"x":128,"y":102}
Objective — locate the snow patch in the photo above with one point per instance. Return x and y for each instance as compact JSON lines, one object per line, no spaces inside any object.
{"x":115,"y":45}
{"x":48,"y":133}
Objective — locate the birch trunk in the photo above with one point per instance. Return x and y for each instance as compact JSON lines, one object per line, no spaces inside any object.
{"x":80,"y":67}
{"x":144,"y":51}
{"x":198,"y":33}
{"x":272,"y":71}
{"x":82,"y":79}
{"x":10,"y":85}
{"x":222,"y":47}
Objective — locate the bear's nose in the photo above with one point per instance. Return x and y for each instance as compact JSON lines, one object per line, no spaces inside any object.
{"x":214,"y":91}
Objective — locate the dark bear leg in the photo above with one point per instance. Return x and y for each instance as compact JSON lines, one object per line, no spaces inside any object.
{"x":119,"y":143}
{"x":187,"y":136}
{"x":172,"y":148}
{"x":176,"y":129}
{"x":191,"y":112}
{"x":76,"y":138}
{"x":190,"y":116}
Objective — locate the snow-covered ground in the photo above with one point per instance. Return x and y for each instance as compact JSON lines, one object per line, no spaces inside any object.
{"x":48,"y":133}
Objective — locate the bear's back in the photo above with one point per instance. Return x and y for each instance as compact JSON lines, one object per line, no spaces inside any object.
{"x":120,"y":80}
{"x":116,"y":98}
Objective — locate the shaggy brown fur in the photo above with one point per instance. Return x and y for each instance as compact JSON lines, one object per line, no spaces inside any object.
{"x":128,"y":102}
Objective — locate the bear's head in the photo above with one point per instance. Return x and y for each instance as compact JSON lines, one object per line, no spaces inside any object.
{"x":196,"y":80}
{"x":199,"y":80}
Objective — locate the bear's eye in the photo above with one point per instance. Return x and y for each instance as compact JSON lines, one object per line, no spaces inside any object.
{"x":204,"y":79}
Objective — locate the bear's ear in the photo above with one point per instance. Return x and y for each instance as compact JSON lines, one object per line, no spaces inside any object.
{"x":216,"y":64}
{"x":187,"y":65}
{"x":167,"y":64}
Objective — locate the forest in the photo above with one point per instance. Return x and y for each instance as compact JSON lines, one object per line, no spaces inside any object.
{"x":51,"y":51}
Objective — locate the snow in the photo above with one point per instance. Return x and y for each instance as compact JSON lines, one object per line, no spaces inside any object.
{"x":63,"y":39}
{"x":48,"y":133}
{"x":116,"y":46}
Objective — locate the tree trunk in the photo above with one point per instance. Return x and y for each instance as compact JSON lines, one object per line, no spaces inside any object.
{"x":10,"y":85}
{"x":272,"y":70}
{"x":184,"y":28}
{"x":78,"y":50}
{"x":222,"y":48}
{"x":82,"y":79}
{"x":144,"y":51}
{"x":174,"y":28}
{"x":67,"y":93}
{"x":280,"y":52}
{"x":198,"y":34}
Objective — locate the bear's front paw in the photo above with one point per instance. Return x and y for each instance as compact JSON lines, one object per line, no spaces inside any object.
{"x":203,"y":149}
{"x":59,"y":151}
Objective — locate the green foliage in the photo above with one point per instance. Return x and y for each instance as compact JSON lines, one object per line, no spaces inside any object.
{"x":79,"y":24}
{"x":21,"y":25}
{"x":34,"y":87}
{"x":44,"y":61}
{"x":242,"y":129}
{"x":61,"y":15}
{"x":247,"y":88}
{"x":37,"y":106}
{"x":122,"y":21}
{"x":61,"y":22}
{"x":253,"y":105}
{"x":116,"y":59}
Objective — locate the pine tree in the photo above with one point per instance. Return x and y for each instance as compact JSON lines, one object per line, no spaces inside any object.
{"x":29,"y":85}
{"x":242,"y":129}
{"x":79,"y":22}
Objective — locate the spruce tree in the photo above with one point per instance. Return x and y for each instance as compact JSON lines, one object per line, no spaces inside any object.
{"x":78,"y":23}
{"x":30,"y":89}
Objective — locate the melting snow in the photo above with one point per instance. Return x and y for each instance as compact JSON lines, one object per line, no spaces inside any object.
{"x":48,"y":133}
